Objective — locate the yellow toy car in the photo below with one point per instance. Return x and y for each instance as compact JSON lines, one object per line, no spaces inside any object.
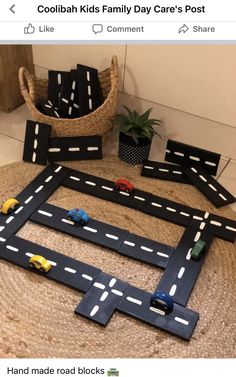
{"x":9,"y":206}
{"x":40,"y":263}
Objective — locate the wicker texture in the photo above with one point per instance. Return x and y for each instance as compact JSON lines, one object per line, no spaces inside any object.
{"x":98,"y":122}
{"x":36,"y":314}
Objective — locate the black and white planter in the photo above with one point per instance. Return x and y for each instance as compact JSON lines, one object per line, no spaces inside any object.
{"x":131,"y":152}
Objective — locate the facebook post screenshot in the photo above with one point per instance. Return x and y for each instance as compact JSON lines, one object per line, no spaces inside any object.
{"x":117,"y":188}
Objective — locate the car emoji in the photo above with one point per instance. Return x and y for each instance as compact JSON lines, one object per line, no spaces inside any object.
{"x":162,"y":301}
{"x":78,"y":215}
{"x":40,"y":263}
{"x":124,"y":185}
{"x":198,"y":250}
{"x":9,"y":206}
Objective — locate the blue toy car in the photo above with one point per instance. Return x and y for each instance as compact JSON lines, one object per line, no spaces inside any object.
{"x":162,"y":301}
{"x":78,"y":215}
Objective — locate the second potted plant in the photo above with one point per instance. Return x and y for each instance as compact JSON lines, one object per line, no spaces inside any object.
{"x":136,"y":133}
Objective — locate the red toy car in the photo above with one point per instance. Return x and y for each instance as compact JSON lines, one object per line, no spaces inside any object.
{"x":124,"y":185}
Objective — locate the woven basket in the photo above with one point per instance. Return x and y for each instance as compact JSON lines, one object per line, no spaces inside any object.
{"x":98,"y":122}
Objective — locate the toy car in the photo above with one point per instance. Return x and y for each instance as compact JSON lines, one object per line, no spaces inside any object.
{"x":40,"y":263}
{"x":9,"y":206}
{"x":124,"y":185}
{"x":78,"y":215}
{"x":198,"y":249}
{"x":162,"y":301}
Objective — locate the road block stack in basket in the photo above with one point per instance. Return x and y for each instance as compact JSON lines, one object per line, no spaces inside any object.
{"x":81,"y":102}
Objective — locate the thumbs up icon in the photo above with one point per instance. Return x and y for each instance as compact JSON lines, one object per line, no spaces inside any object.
{"x":30,"y":29}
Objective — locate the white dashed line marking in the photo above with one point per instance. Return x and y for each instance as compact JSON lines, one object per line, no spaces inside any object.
{"x":35,"y":143}
{"x":99,"y":285}
{"x":197,"y":237}
{"x":162,"y":254}
{"x":71,"y":270}
{"x":149,"y":167}
{"x":230,"y":228}
{"x":39,"y":189}
{"x":202,"y":178}
{"x":215,"y":223}
{"x":90,"y":183}
{"x":45,"y":213}
{"x":9,"y":247}
{"x":59,"y":79}
{"x":48,"y":179}
{"x":74,"y":149}
{"x":34,"y":157}
{"x":88,"y":76}
{"x":139,"y":198}
{"x":1,"y":228}
{"x":74,"y":178}
{"x":65,"y":100}
{"x":181,"y":272}
{"x":87,"y":277}
{"x":90,"y":149}
{"x":112,"y":282}
{"x":146,"y":249}
{"x":52,"y":263}
{"x":36,"y":130}
{"x":67,"y":221}
{"x":156,"y":310}
{"x":164,"y":170}
{"x":177,"y":172}
{"x":94,"y":310}
{"x":116,"y":292}
{"x":206,"y":215}
{"x":188,"y":256}
{"x":212,"y":187}
{"x":73,"y":85}
{"x":90,"y":229}
{"x":210,"y":163}
{"x":90,"y":104}
{"x":89,"y":90}
{"x":181,"y":320}
{"x":107,"y":188}
{"x":54,"y":150}
{"x":223,"y":197}
{"x":129,"y":243}
{"x":124,"y":193}
{"x":134,"y":300}
{"x":173,"y":290}
{"x":9,"y":219}
{"x":19,"y":210}
{"x":104,"y":296}
{"x":197,"y":218}
{"x":194,"y":158}
{"x":167,"y":151}
{"x":30,"y":255}
{"x":202,"y":225}
{"x":179,"y":154}
{"x":156,"y":204}
{"x":2,"y":239}
{"x":29,"y":199}
{"x":58,"y":169}
{"x":112,"y":236}
{"x":171,"y":209}
{"x":185,"y":214}
{"x":194,"y":170}
{"x":72,"y":96}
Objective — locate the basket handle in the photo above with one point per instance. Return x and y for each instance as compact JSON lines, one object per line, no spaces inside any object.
{"x":26,"y":77}
{"x":114,"y":65}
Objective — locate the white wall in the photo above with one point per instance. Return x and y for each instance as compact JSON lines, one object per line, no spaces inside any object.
{"x":191,"y":87}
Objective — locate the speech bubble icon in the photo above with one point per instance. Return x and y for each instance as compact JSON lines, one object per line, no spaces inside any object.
{"x":97,"y":28}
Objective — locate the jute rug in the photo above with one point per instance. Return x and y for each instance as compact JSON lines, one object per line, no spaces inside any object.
{"x":37,"y":315}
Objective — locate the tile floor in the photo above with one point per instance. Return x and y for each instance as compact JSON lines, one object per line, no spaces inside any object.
{"x":12,"y":131}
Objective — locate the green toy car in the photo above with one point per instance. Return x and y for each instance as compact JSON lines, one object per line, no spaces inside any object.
{"x":198,"y":250}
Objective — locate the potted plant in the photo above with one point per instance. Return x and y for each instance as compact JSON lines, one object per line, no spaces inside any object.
{"x":136,"y":133}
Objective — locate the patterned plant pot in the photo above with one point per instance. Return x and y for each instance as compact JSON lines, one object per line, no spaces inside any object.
{"x":131,"y":152}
